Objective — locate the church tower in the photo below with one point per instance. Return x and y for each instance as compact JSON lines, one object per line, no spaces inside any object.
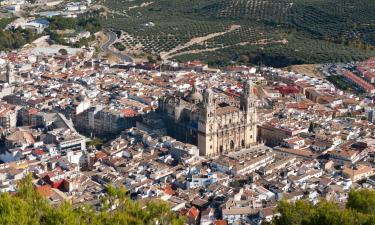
{"x":209,"y":104}
{"x":207,"y":124}
{"x":9,"y":73}
{"x":247,"y":105}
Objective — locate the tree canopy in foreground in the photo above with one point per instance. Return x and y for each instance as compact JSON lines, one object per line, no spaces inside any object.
{"x":359,"y":210}
{"x":27,"y":206}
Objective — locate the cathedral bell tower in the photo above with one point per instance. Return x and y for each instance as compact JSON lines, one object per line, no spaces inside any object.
{"x":206,"y":124}
{"x":247,"y":100}
{"x":209,"y":106}
{"x":247,"y":105}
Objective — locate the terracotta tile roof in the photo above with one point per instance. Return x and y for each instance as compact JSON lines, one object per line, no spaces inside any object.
{"x":168,"y":190}
{"x":359,"y":81}
{"x":39,"y":152}
{"x":220,"y":222}
{"x":225,"y":110}
{"x":129,"y":112}
{"x":44,"y":190}
{"x":100,"y":155}
{"x":33,"y":111}
{"x":193,"y":212}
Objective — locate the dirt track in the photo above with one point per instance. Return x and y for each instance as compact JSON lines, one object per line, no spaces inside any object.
{"x":196,"y":40}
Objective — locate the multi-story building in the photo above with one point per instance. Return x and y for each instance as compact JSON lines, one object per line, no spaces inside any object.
{"x":199,"y":180}
{"x":371,"y":115}
{"x":99,"y":121}
{"x":66,"y":140}
{"x":8,"y":116}
{"x":274,"y":134}
{"x":30,"y":117}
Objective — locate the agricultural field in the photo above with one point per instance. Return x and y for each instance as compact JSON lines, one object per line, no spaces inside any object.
{"x":270,"y":32}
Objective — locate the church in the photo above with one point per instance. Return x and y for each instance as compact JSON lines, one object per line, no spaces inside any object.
{"x":209,"y":122}
{"x":8,"y":74}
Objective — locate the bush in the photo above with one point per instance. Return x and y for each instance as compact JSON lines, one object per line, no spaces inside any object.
{"x":119,"y":46}
{"x":63,"y":51}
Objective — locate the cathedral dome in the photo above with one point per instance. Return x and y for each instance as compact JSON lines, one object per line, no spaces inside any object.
{"x":195,"y":96}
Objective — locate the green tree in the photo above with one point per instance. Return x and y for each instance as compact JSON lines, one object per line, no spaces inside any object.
{"x":96,"y":142}
{"x":359,"y":211}
{"x":311,"y":127}
{"x":28,"y":207}
{"x":63,"y":51}
{"x":293,"y":213}
{"x":362,"y":201}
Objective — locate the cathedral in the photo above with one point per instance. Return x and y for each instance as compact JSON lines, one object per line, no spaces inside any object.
{"x":210,"y":122}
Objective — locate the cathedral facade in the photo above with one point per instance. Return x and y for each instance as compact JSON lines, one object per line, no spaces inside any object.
{"x":214,"y":127}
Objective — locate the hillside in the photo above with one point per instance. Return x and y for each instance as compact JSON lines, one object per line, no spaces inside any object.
{"x":275,"y":32}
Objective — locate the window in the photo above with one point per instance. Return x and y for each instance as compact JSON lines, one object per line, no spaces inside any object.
{"x":231,"y":144}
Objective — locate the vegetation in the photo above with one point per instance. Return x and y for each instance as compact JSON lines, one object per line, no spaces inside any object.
{"x":63,"y":51}
{"x":87,"y":22}
{"x":29,"y":207}
{"x":119,"y":46}
{"x":272,"y":32}
{"x":5,"y":21}
{"x":362,"y":201}
{"x":96,"y":142}
{"x":359,"y":210}
{"x":339,"y":82}
{"x":312,"y":127}
{"x":16,"y":38}
{"x":298,"y":50}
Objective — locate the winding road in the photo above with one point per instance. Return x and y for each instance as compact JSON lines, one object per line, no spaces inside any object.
{"x":112,"y":37}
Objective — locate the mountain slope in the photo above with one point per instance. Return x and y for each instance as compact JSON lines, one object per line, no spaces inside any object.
{"x":343,"y":29}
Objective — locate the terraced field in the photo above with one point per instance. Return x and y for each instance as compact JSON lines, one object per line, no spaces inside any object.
{"x":293,"y":31}
{"x":265,"y":10}
{"x":155,"y":40}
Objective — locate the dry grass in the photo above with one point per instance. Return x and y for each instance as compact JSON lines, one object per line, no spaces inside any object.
{"x":310,"y":70}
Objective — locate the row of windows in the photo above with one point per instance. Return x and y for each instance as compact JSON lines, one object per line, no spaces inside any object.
{"x":232,"y":145}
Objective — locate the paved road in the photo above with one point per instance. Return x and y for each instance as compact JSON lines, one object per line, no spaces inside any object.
{"x":112,"y":37}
